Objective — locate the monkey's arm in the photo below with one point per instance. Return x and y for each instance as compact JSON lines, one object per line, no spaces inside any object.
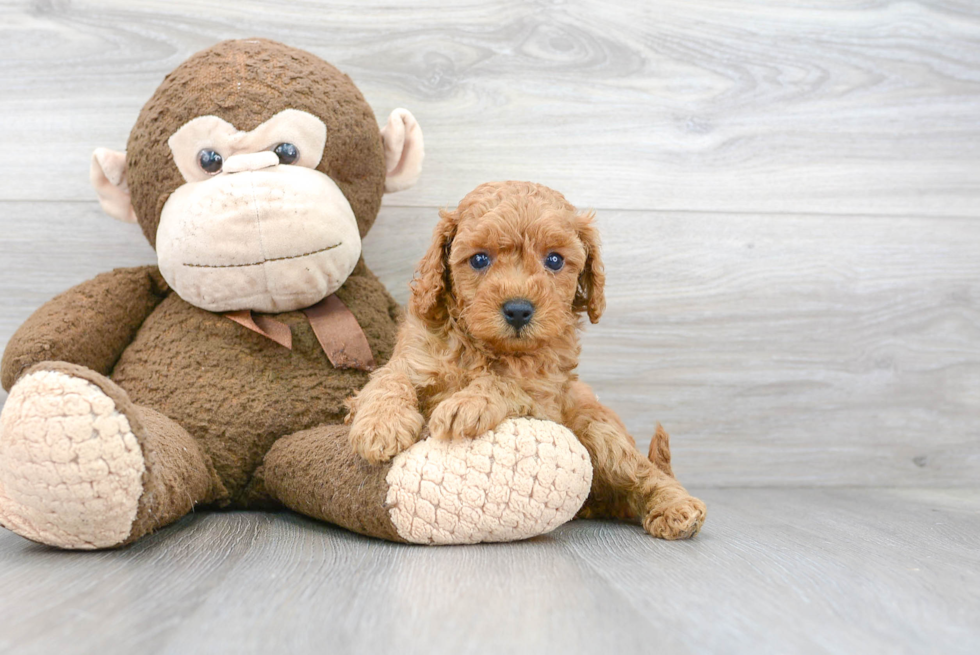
{"x":89,"y":325}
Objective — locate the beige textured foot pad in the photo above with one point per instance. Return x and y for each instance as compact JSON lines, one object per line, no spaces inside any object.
{"x":70,"y":467}
{"x":523,"y":479}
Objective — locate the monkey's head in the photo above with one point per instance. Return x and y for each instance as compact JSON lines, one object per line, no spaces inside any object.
{"x":255,"y":170}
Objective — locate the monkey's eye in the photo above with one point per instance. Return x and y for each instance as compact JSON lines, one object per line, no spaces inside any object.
{"x":287,"y":153}
{"x":480,"y":261}
{"x":210,"y":161}
{"x":554,"y":261}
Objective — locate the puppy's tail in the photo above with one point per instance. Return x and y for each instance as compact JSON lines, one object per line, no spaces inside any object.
{"x":660,"y":450}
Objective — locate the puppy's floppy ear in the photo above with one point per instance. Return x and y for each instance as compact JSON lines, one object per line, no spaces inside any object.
{"x":590,"y":295}
{"x":431,"y":286}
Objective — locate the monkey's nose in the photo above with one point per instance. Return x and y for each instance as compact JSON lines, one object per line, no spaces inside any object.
{"x":518,"y":312}
{"x":252,"y":161}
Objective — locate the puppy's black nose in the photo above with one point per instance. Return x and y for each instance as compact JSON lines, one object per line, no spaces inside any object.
{"x":518,"y":312}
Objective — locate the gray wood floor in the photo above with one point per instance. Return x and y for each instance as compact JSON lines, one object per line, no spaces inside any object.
{"x":788,"y":194}
{"x":778,"y":571}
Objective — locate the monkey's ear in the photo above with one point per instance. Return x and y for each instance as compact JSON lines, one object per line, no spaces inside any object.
{"x":108,"y":176}
{"x":404,"y":150}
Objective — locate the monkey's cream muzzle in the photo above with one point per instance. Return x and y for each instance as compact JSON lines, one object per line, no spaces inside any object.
{"x":271,"y":240}
{"x":259,"y":235}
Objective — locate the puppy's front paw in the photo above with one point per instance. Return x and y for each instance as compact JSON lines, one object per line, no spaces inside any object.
{"x":379,"y":434}
{"x":681,"y":519}
{"x":462,"y":415}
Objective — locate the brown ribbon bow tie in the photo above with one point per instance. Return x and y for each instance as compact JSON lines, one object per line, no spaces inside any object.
{"x":335,"y":327}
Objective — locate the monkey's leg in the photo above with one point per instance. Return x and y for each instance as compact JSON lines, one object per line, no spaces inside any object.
{"x":523,"y":479}
{"x":83,"y":467}
{"x":316,"y":472}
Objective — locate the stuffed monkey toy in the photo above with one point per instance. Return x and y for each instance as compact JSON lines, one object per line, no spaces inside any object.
{"x":218,"y":377}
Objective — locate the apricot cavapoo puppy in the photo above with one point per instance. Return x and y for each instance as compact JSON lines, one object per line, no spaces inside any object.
{"x":492,"y":333}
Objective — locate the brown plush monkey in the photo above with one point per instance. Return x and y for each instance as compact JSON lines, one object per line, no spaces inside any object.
{"x":218,"y":377}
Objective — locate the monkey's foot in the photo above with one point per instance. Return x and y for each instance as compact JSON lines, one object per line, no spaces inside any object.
{"x":520,"y":480}
{"x":71,"y":468}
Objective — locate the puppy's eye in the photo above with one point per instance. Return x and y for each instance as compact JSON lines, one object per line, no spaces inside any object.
{"x":480,"y":261}
{"x":554,"y":261}
{"x":287,"y":153}
{"x":209,"y":160}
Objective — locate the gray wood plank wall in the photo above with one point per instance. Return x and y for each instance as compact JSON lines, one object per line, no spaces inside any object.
{"x":788,"y":194}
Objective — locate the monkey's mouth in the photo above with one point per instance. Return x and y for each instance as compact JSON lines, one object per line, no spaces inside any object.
{"x":271,"y":259}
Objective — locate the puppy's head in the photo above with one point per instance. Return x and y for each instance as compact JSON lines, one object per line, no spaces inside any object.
{"x":514,"y":266}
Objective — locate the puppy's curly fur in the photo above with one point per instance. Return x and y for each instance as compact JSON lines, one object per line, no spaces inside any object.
{"x":460,"y":367}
